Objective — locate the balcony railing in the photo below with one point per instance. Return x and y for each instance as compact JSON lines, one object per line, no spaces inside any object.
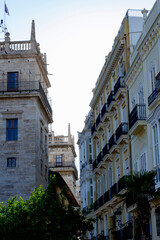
{"x":98,"y":120}
{"x":125,"y":232}
{"x":138,"y":113}
{"x":67,"y":164}
{"x":105,"y":150}
{"x":25,"y":87}
{"x":97,"y":160}
{"x":119,"y":84}
{"x":108,"y":195}
{"x":93,"y":129}
{"x":110,"y":98}
{"x":104,"y":110}
{"x":122,"y":129}
{"x":112,"y":141}
{"x":154,"y":94}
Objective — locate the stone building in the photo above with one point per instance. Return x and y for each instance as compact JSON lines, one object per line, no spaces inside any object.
{"x":62,"y":158}
{"x":25,"y":113}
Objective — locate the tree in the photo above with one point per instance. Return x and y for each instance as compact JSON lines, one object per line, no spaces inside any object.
{"x":44,"y":216}
{"x":140,"y":188}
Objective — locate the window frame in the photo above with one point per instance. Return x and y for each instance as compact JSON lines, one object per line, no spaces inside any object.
{"x":11,"y":163}
{"x":12,"y":129}
{"x":59,"y":160}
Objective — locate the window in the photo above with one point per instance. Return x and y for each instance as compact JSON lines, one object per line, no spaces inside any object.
{"x":11,"y":162}
{"x":118,"y":173}
{"x":91,"y":191}
{"x":90,"y":150}
{"x":11,"y":129}
{"x":152,"y":78}
{"x":143,"y":162}
{"x":124,"y":115}
{"x":141,"y":96}
{"x":99,"y":186}
{"x":12,"y":81}
{"x":104,"y":182}
{"x":156,"y":144}
{"x":127,"y":167}
{"x":110,"y":176}
{"x":59,"y":160}
{"x":136,"y":165}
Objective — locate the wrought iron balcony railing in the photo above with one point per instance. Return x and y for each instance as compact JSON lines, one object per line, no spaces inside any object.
{"x":98,"y":120}
{"x":119,"y":84}
{"x":154,"y":94}
{"x":110,"y":98}
{"x":112,"y":141}
{"x":104,"y":110}
{"x":138,"y":113}
{"x":25,"y":87}
{"x":108,"y":195}
{"x":122,"y":129}
{"x":93,"y":129}
{"x":105,"y":150}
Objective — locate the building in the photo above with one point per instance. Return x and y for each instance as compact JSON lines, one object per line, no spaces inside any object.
{"x":143,"y":83}
{"x":126,"y":123}
{"x":62,"y":158}
{"x":25,"y":113}
{"x":86,"y":161}
{"x":111,"y":147}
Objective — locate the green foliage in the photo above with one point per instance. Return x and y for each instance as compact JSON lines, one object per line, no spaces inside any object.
{"x":44,"y":216}
{"x":140,"y":188}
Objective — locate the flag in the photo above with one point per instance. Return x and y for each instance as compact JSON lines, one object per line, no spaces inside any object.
{"x":6,"y":9}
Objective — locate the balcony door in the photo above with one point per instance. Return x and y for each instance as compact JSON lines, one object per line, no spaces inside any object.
{"x":12,"y":81}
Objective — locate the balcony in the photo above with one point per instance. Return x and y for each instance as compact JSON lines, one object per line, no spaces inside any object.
{"x":119,"y":86}
{"x":112,"y":141}
{"x":154,"y":94}
{"x":121,"y":130}
{"x":97,"y":161}
{"x":98,"y":120}
{"x":105,"y":150}
{"x":67,"y":165}
{"x":104,"y":110}
{"x":108,"y":195}
{"x":93,"y":129}
{"x":124,"y":233}
{"x":111,"y":98}
{"x":25,"y":88}
{"x":137,"y":119}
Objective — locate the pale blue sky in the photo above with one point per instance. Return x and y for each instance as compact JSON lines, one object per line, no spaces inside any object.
{"x":76,"y":35}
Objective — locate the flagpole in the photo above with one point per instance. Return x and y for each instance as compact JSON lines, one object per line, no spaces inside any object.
{"x":4,"y":19}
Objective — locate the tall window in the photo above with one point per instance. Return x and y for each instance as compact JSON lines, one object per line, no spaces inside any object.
{"x":156,"y":144}
{"x":11,"y":129}
{"x":11,"y":162}
{"x":104,"y":182}
{"x":59,"y":160}
{"x":110,"y":176}
{"x":136,"y":165}
{"x":143,"y":162}
{"x":126,"y":166}
{"x":99,"y":186}
{"x":141,"y":96}
{"x":153,"y":78}
{"x":12,"y":81}
{"x":91,"y":191}
{"x":90,"y":150}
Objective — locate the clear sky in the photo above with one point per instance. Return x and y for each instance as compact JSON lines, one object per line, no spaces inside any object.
{"x":76,"y":35}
